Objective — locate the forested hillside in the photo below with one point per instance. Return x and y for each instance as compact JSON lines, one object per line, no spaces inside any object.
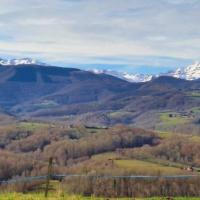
{"x":80,"y":97}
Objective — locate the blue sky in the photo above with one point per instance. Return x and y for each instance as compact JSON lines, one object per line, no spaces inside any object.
{"x":147,"y":36}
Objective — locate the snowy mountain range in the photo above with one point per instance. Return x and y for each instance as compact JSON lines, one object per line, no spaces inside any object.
{"x":191,"y":72}
{"x":23,"y":61}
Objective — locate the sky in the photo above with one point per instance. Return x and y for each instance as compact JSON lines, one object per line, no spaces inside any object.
{"x":147,"y":36}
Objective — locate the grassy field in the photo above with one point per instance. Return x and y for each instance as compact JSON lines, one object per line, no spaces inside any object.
{"x":31,"y":126}
{"x":142,"y":167}
{"x":172,"y":118}
{"x":195,"y":111}
{"x":194,"y":94}
{"x":148,"y":167}
{"x":57,"y":196}
{"x":165,"y":135}
{"x":120,"y":114}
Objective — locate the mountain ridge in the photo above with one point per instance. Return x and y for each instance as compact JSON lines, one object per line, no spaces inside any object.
{"x":77,"y":96}
{"x":191,"y":72}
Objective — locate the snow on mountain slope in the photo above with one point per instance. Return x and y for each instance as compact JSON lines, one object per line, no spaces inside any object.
{"x":23,"y":61}
{"x":137,"y":77}
{"x":191,"y":72}
{"x":131,"y":77}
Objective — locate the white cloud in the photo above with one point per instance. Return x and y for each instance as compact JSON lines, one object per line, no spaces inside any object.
{"x":58,"y":29}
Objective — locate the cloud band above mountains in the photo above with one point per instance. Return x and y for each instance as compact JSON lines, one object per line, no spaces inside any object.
{"x":83,"y":30}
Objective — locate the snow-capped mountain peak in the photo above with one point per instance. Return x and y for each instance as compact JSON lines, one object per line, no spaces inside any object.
{"x":22,"y":61}
{"x":190,"y":72}
{"x":137,"y":77}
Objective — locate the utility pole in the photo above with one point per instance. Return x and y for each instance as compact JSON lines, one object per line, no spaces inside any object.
{"x":49,"y":173}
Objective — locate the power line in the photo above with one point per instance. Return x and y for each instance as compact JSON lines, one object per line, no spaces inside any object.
{"x":61,"y":176}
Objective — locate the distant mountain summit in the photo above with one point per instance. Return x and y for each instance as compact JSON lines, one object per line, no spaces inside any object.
{"x":130,"y":77}
{"x":191,"y":72}
{"x":22,"y":61}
